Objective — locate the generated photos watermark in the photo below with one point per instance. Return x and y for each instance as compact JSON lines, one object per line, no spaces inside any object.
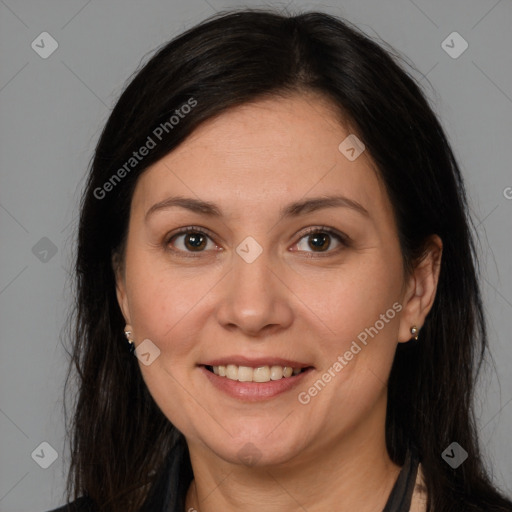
{"x":304,"y":397}
{"x":152,"y":141}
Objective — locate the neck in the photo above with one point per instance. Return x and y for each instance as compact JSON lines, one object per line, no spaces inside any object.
{"x":351,"y":473}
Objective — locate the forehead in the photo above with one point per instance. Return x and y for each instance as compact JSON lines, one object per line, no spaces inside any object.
{"x":262,"y":155}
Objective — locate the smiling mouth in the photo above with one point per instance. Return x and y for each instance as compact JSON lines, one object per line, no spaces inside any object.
{"x":259,"y":374}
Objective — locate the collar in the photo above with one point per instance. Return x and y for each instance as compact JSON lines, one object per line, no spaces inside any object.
{"x":401,"y":495}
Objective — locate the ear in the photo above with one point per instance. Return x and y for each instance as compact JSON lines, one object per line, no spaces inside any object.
{"x":122,"y":298}
{"x":421,"y":289}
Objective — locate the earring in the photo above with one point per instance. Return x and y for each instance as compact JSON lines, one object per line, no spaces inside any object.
{"x":415,"y":332}
{"x":131,"y":343}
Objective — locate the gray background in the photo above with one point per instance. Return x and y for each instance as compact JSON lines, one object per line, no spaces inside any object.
{"x":52,"y":111}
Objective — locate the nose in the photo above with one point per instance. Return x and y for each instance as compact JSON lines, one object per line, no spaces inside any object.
{"x":255,"y":300}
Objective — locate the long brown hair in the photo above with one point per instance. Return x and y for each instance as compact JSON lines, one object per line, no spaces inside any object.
{"x":119,"y":437}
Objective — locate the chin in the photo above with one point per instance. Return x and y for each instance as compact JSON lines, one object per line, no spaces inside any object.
{"x":257,"y":449}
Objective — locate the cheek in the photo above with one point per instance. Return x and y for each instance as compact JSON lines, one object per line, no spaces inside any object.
{"x":167,"y":304}
{"x":164,"y":310}
{"x":360,"y":308}
{"x":352,"y":298}
{"x":158,"y":312}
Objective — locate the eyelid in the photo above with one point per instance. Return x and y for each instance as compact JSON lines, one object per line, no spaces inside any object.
{"x":324,"y":229}
{"x":184,"y":231}
{"x":190,"y":229}
{"x":342,"y":238}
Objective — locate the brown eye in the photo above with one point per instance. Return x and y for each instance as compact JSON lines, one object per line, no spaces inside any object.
{"x":190,"y":241}
{"x":195,"y":241}
{"x":320,"y":240}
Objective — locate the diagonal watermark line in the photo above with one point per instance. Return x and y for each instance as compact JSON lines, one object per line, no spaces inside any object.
{"x":494,"y":416}
{"x":85,"y":85}
{"x":485,"y":218}
{"x":485,"y":15}
{"x":5,"y":85}
{"x":177,"y":382}
{"x":492,"y":81}
{"x":334,"y":124}
{"x":14,"y":485}
{"x":386,"y":383}
{"x":14,"y":423}
{"x":13,"y":279}
{"x":323,"y":323}
{"x":178,"y":178}
{"x":227,"y":227}
{"x":12,"y":12}
{"x":424,"y":14}
{"x":211,"y":288}
{"x":68,"y":272}
{"x":498,"y":292}
{"x":198,"y":403}
{"x":283,"y":10}
{"x":306,"y":193}
{"x":280,"y":423}
{"x":213,"y":8}
{"x":216,"y":487}
{"x":14,"y":218}
{"x":424,"y":75}
{"x":75,"y":15}
{"x":473,"y":214}
{"x":286,"y":491}
{"x":69,"y":223}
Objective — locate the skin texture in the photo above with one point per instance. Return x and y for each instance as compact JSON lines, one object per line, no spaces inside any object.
{"x":294,"y":301}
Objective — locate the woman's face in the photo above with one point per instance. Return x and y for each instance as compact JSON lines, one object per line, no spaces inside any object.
{"x":251,"y":287}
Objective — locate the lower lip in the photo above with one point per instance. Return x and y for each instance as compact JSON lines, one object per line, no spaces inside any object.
{"x":254,"y":391}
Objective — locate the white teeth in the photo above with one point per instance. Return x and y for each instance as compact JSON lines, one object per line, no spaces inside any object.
{"x":260,"y":374}
{"x":287,"y":371}
{"x":232,"y":372}
{"x":276,"y":372}
{"x":245,"y":374}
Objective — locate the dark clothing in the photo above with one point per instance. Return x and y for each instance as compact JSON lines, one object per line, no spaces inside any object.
{"x":170,"y":488}
{"x":168,"y":492}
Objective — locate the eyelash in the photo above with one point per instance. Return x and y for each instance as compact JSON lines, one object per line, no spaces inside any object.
{"x":343,"y":239}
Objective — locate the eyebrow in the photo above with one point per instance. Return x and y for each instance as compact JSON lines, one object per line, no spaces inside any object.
{"x":294,"y":209}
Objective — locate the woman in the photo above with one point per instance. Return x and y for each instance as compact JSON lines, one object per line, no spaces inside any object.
{"x":274,"y":218}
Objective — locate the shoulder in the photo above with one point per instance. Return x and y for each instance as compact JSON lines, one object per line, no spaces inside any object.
{"x":82,"y":504}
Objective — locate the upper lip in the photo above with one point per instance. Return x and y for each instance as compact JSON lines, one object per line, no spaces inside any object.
{"x":255,"y":362}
